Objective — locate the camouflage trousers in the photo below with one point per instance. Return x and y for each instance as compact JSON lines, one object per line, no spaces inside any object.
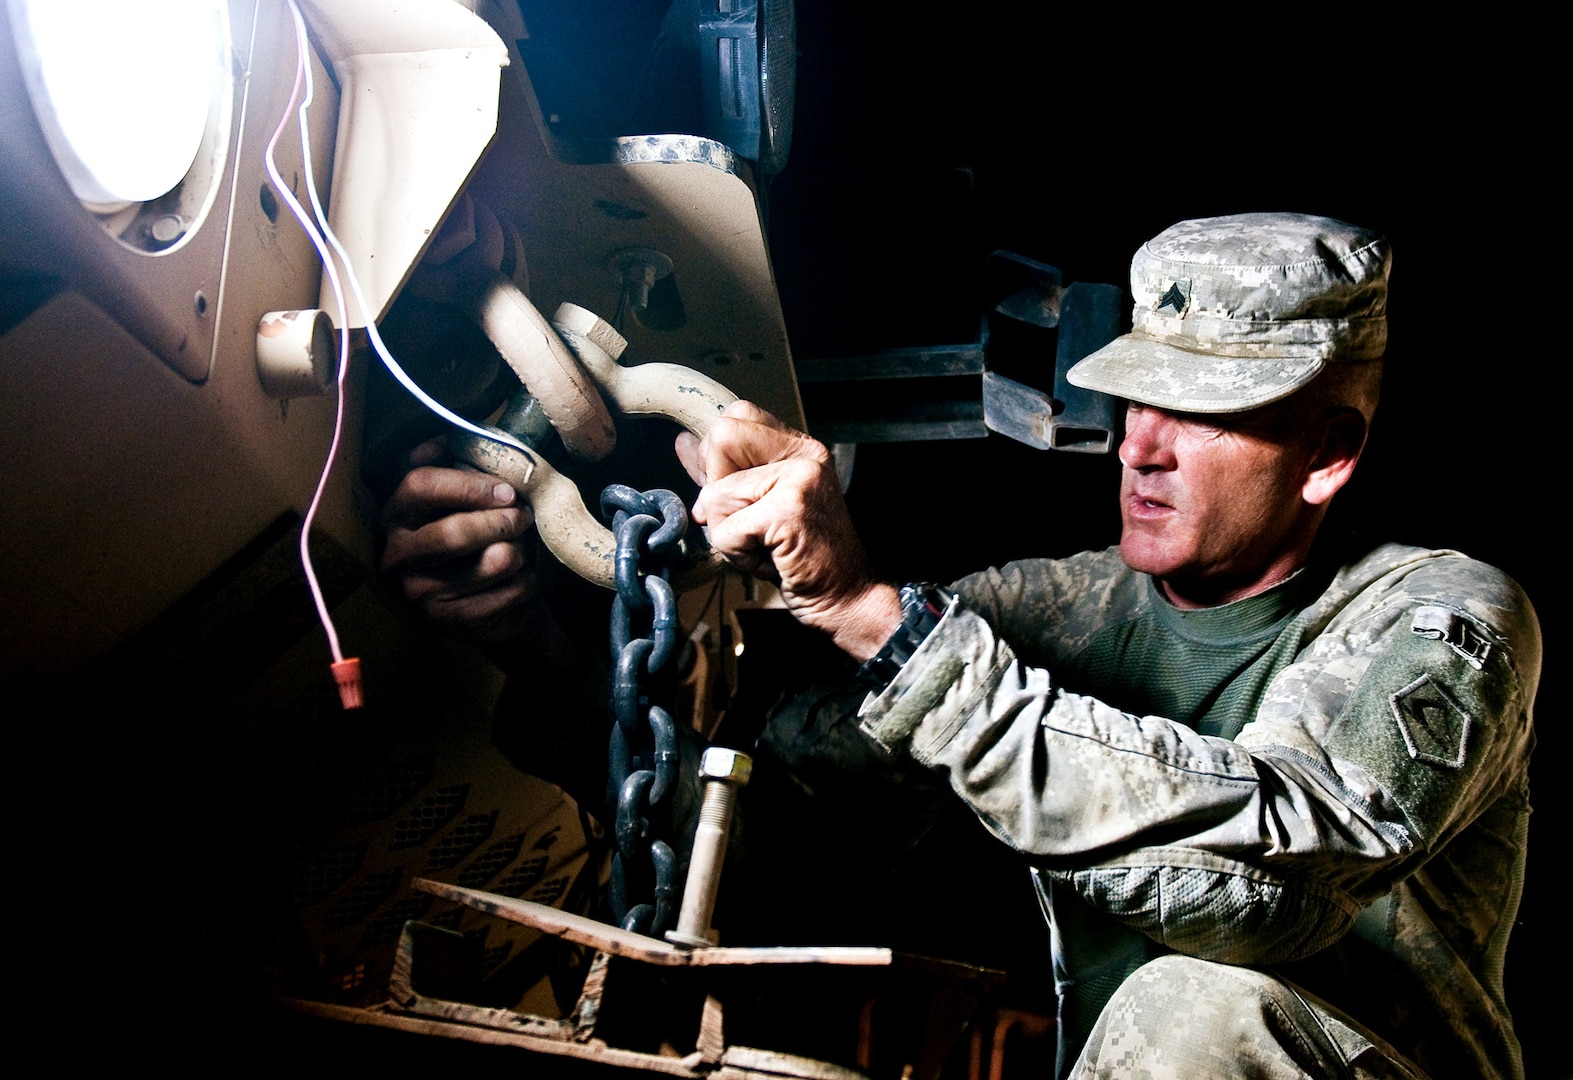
{"x":1178,"y":1018}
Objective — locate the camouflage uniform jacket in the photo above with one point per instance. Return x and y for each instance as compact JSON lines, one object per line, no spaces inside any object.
{"x":1348,"y":805}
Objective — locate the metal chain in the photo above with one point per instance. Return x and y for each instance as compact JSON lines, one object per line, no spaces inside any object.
{"x":643,"y":759}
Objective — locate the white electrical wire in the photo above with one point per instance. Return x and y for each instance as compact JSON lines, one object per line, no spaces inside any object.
{"x":349,"y":271}
{"x":320,"y":240}
{"x":301,"y":76}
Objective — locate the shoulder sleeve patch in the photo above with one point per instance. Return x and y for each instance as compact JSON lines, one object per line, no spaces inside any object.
{"x":1435,"y":728}
{"x":1461,"y":635}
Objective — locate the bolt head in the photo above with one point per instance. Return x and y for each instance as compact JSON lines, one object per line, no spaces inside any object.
{"x":720,"y":763}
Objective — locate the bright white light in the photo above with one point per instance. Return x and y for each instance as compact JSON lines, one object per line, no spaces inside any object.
{"x":122,"y":88}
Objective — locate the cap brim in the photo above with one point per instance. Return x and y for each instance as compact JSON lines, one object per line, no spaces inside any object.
{"x":1166,"y":376}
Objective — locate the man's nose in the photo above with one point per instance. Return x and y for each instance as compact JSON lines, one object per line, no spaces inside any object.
{"x":1149,"y":439}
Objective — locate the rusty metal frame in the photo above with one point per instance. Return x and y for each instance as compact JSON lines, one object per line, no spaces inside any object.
{"x":954,"y":991}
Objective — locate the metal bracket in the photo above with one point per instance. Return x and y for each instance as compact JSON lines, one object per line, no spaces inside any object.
{"x":803,"y":997}
{"x":1072,"y":419}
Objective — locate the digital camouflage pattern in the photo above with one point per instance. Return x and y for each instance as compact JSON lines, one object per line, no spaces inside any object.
{"x":1345,"y":802}
{"x":1253,"y":1025}
{"x":1235,"y":312}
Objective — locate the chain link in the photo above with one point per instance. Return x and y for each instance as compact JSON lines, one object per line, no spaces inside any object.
{"x":643,"y":759}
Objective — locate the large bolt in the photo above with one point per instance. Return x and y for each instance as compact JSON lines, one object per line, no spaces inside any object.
{"x":723,"y":772}
{"x":638,"y":269}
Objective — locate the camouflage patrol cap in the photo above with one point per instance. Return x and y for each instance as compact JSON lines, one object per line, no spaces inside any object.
{"x":1236,"y":312}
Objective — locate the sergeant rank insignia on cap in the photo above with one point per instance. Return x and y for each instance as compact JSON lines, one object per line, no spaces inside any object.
{"x":1176,"y":299}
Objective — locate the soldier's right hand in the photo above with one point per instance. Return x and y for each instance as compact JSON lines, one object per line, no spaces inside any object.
{"x":773,"y":508}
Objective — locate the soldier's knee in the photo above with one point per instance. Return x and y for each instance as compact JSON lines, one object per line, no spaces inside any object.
{"x":1182,"y":1017}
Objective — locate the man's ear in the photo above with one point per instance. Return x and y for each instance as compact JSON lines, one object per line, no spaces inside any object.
{"x":1337,"y":450}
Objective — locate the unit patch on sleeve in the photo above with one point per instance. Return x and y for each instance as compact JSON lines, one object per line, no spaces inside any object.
{"x":1435,"y":729}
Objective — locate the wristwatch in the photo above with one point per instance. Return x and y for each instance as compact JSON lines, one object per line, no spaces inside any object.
{"x":922,"y":606}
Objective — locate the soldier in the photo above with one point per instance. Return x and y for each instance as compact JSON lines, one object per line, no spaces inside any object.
{"x":1273,"y":789}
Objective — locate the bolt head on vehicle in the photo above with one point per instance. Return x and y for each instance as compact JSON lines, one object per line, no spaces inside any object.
{"x":720,"y":763}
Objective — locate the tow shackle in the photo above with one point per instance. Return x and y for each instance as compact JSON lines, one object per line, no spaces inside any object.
{"x":571,"y":533}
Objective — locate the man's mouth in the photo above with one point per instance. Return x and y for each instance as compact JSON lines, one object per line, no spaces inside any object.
{"x":1142,"y":505}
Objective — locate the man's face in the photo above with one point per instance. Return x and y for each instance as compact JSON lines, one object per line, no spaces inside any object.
{"x":1211,"y":505}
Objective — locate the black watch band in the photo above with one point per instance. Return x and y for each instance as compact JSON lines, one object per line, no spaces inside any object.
{"x":922,"y":606}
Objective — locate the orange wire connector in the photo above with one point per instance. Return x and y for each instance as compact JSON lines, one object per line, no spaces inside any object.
{"x":347,"y":674}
